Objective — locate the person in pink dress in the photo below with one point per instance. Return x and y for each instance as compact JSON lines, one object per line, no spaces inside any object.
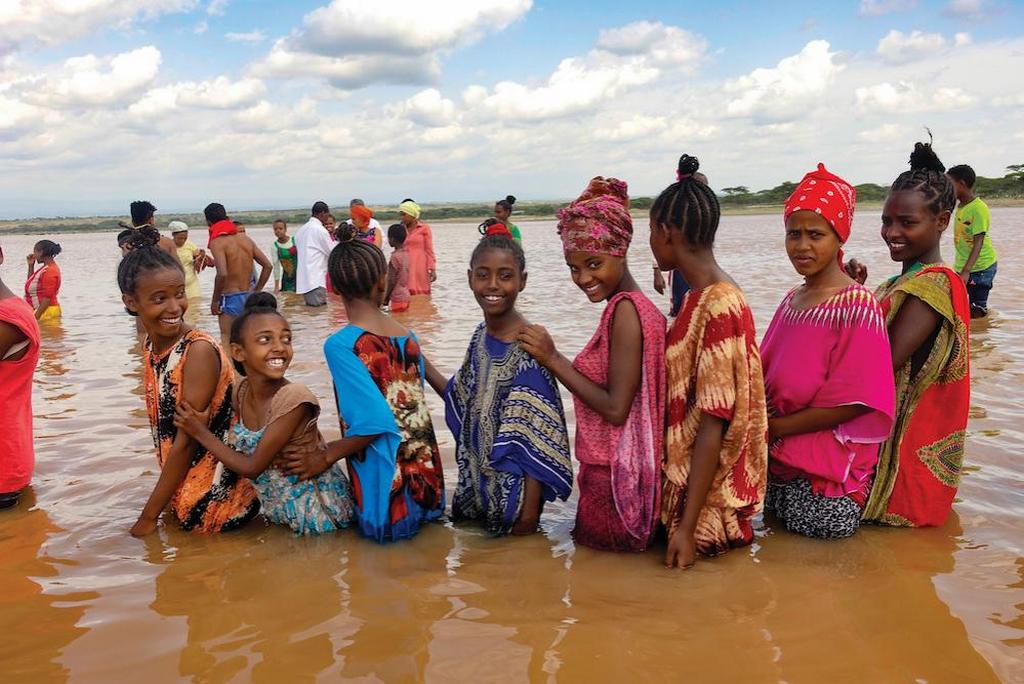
{"x":828,"y":372}
{"x":19,"y":352}
{"x":617,"y":381}
{"x":419,"y":242}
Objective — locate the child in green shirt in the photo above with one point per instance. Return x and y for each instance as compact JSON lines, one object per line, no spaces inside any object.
{"x":976,"y":258}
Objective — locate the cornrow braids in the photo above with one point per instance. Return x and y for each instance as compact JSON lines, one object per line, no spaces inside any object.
{"x":927,"y":175}
{"x":499,"y":242}
{"x":355,"y":265}
{"x":144,"y":256}
{"x":689,"y":205}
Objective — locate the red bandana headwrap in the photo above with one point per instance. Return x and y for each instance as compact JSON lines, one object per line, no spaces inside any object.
{"x":598,"y":221}
{"x":225,"y":227}
{"x":829,"y":195}
{"x":360,"y":212}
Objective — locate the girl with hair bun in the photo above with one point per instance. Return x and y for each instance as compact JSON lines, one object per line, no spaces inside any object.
{"x":273,"y":416}
{"x":502,"y":212}
{"x":181,"y":364}
{"x":617,"y":380}
{"x":43,"y":284}
{"x":716,"y":454}
{"x":927,"y":313}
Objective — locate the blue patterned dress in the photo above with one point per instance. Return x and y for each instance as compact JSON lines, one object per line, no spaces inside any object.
{"x":506,"y":415}
{"x":315,"y":506}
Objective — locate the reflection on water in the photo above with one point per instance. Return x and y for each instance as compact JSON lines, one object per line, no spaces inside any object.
{"x":83,"y":600}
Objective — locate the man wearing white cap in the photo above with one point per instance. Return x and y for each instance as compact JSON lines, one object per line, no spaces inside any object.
{"x":192,"y":258}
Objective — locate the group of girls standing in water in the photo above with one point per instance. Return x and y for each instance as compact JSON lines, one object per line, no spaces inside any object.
{"x":852,"y":408}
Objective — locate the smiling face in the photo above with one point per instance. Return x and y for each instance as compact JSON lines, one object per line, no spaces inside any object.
{"x":496,"y":281}
{"x":180,"y":238}
{"x":811,"y":243}
{"x":501,"y":213}
{"x":598,"y":275}
{"x":265,"y":348}
{"x":159,"y":301}
{"x":329,"y":224}
{"x":910,"y":228}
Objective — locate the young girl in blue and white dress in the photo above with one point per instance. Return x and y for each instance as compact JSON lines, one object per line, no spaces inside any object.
{"x":273,"y":415}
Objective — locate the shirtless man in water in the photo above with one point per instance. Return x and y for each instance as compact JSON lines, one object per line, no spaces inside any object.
{"x":144,"y":214}
{"x":233,"y":255}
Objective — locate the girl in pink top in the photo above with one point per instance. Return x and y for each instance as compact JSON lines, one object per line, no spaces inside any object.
{"x":419,"y":242}
{"x":397,"y":295}
{"x":828,"y":372}
{"x":19,"y":352}
{"x":620,"y":406}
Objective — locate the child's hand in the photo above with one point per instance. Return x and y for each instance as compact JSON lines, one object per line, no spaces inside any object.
{"x":191,"y":421}
{"x":304,"y":464}
{"x":535,"y":341}
{"x":682,"y":550}
{"x":857,"y":270}
{"x":143,"y":526}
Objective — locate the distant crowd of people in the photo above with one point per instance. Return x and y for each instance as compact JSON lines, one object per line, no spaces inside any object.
{"x":851,"y":408}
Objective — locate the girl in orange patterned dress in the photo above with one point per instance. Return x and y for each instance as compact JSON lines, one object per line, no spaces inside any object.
{"x":181,"y":364}
{"x":716,"y":461}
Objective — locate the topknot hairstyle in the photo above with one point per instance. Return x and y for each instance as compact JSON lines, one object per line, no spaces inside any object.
{"x":47,"y":248}
{"x":506,"y":203}
{"x":355,"y":265}
{"x":144,"y":256}
{"x":689,"y":205}
{"x":963,"y":173}
{"x":927,"y":175}
{"x":255,"y":304}
{"x":499,"y":242}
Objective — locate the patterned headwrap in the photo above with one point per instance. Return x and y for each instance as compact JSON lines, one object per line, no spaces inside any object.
{"x":598,"y":221}
{"x":829,"y":195}
{"x":411,"y":208}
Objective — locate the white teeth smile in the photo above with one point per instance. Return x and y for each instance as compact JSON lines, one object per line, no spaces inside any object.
{"x":171,"y":321}
{"x":276,"y":363}
{"x":493,"y":298}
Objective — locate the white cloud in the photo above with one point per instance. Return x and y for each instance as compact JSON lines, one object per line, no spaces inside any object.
{"x":905,"y":97}
{"x":899,"y":48}
{"x":217,"y":7}
{"x":633,"y":128}
{"x":219,"y":93}
{"x":785,"y":91}
{"x":966,"y":9}
{"x":428,"y":108}
{"x":659,"y":44}
{"x":962,"y":39}
{"x":352,"y":43}
{"x":267,"y":117}
{"x":91,"y":81}
{"x":51,"y":22}
{"x":886,"y":133}
{"x":874,"y":8}
{"x":254,"y":36}
{"x":201,"y":28}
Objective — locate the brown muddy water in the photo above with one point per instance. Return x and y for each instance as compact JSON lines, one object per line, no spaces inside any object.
{"x":81,"y":600}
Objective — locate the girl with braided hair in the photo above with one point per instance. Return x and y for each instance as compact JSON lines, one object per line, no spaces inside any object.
{"x":181,"y":364}
{"x":716,"y":455}
{"x":927,"y":313}
{"x":378,"y":372}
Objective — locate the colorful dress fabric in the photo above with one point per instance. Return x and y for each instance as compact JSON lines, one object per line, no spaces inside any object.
{"x":714,"y":367}
{"x":517,"y":234}
{"x":919,"y":466}
{"x":833,"y":354}
{"x":285,"y":260}
{"x":44,"y":283}
{"x":211,"y":498}
{"x":419,"y":242}
{"x":398,"y":484}
{"x":619,"y":482}
{"x":506,"y":414}
{"x":17,"y":456}
{"x":315,"y":506}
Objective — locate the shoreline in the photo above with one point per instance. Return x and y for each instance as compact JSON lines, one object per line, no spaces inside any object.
{"x":107,"y":224}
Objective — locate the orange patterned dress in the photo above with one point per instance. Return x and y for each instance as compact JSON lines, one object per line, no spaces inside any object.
{"x":714,"y":367}
{"x":211,"y":498}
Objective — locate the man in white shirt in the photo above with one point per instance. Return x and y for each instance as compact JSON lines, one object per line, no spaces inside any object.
{"x":313,"y":244}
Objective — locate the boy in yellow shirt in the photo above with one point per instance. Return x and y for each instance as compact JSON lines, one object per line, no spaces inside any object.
{"x":976,"y":258}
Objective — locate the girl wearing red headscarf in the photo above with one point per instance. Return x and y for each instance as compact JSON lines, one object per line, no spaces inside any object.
{"x":617,"y":381}
{"x":827,"y":370}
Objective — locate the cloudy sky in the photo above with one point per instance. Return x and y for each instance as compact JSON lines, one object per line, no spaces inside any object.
{"x":263,"y":104}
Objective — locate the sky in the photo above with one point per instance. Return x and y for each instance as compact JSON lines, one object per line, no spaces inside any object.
{"x":260,"y":104}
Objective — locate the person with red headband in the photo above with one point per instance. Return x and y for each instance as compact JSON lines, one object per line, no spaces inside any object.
{"x":827,"y":370}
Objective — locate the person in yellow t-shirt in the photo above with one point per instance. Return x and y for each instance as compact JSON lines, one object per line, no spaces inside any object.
{"x":976,"y":258}
{"x":192,"y":258}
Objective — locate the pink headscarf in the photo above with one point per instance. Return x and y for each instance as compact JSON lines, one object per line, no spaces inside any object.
{"x":598,"y":221}
{"x":829,"y":195}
